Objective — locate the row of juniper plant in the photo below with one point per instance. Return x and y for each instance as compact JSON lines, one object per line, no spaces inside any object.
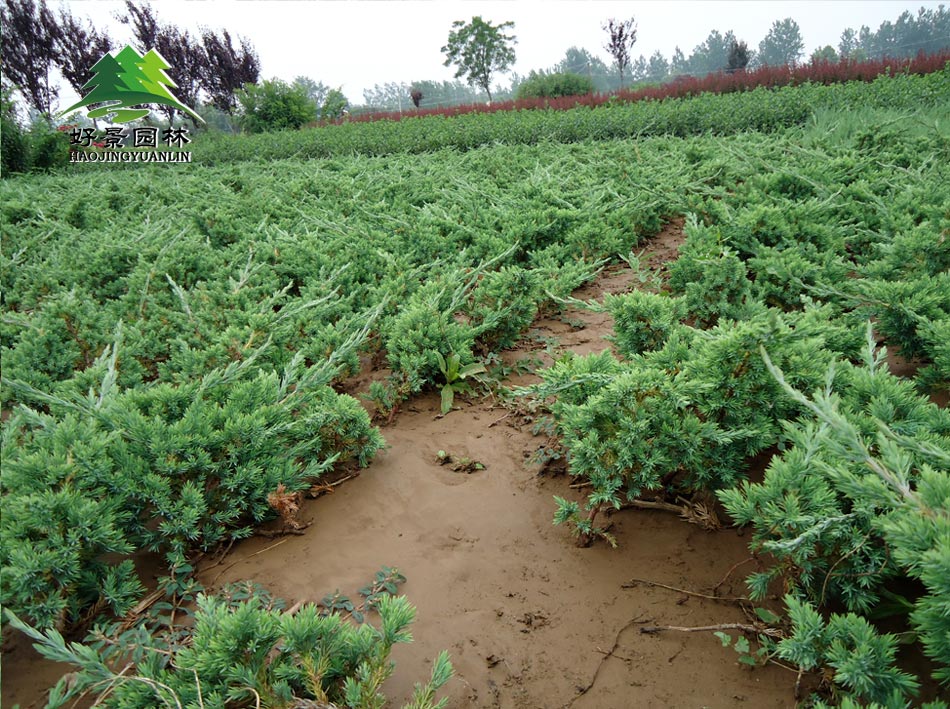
{"x":773,"y":294}
{"x":244,"y":648}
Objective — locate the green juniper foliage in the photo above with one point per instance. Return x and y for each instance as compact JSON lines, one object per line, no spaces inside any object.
{"x":868,"y":488}
{"x":247,"y":652}
{"x":169,"y":468}
{"x":244,"y":292}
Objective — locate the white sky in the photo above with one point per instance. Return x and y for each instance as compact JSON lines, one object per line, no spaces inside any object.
{"x":358,"y":43}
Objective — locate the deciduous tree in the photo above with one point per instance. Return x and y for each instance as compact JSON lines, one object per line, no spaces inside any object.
{"x":79,"y":46}
{"x":30,"y":45}
{"x":622,"y":37}
{"x":782,"y":45}
{"x":227,"y":68}
{"x":739,"y":56}
{"x":184,"y":54}
{"x":824,"y":54}
{"x":479,"y":49}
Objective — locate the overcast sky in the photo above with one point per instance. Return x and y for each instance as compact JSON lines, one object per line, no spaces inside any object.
{"x":360,"y":43}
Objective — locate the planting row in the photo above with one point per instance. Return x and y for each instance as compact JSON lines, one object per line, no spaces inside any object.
{"x":761,"y":109}
{"x":762,"y":342}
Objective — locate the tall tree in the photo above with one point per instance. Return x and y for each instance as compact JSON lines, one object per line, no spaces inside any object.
{"x":824,"y":54}
{"x":79,"y":46}
{"x":316,"y":91}
{"x":713,"y":54}
{"x":29,"y":51}
{"x":678,"y":63}
{"x":657,"y":68}
{"x":143,"y":23}
{"x":185,"y":56}
{"x":782,"y":45}
{"x":186,"y":59}
{"x":479,"y":49}
{"x":582,"y":62}
{"x":739,"y":56}
{"x":848,"y":46}
{"x":227,"y":68}
{"x":622,"y":35}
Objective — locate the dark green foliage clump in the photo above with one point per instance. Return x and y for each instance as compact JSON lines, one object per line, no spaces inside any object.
{"x":169,"y":468}
{"x":643,"y":321}
{"x":274,"y":105}
{"x":554,"y":85}
{"x":243,"y":649}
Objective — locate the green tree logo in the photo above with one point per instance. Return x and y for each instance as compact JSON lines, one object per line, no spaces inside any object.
{"x":129,"y":79}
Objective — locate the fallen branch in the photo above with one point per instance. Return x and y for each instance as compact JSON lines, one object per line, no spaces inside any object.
{"x":695,"y":513}
{"x":745,"y":628}
{"x":274,"y":533}
{"x":499,"y":420}
{"x":318,"y":490}
{"x":633,"y":582}
{"x":731,"y":569}
{"x":647,"y":505}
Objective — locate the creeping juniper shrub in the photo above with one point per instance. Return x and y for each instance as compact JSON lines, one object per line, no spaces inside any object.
{"x":643,"y":321}
{"x":167,"y":468}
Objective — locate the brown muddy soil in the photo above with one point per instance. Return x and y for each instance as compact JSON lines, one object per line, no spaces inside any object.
{"x":530,"y":619}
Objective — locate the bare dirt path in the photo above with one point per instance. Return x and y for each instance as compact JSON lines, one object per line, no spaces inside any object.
{"x":530,"y":619}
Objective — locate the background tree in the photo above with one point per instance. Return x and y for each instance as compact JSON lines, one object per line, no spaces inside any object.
{"x":637,"y":71}
{"x":334,"y":105}
{"x":391,"y":96}
{"x":227,"y":68}
{"x":479,"y":49}
{"x":580,"y":61}
{"x":79,"y":46}
{"x":657,"y":68}
{"x":29,"y":51}
{"x":928,"y":32}
{"x":448,"y":93}
{"x":848,"y":45}
{"x":712,"y":55}
{"x":824,"y":54}
{"x":274,"y":105}
{"x":316,"y":91}
{"x":184,"y":53}
{"x":416,"y":95}
{"x":622,"y":36}
{"x":782,"y":45}
{"x":678,"y":63}
{"x":739,"y":56}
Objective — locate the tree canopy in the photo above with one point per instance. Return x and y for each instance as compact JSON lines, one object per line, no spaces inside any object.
{"x":782,"y":45}
{"x":479,"y":49}
{"x":622,"y":35}
{"x":31,"y":37}
{"x":739,"y":57}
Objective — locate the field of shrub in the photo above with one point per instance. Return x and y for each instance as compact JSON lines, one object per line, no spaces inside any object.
{"x":174,"y":340}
